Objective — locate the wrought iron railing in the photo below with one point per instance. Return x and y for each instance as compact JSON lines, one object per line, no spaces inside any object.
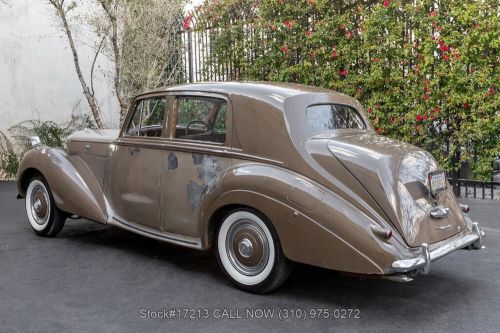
{"x":466,"y":188}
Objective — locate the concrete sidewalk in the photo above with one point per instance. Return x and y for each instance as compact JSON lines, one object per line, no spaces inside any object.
{"x":99,"y":278}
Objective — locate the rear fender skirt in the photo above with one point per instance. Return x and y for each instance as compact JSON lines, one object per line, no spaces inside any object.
{"x":74,"y":187}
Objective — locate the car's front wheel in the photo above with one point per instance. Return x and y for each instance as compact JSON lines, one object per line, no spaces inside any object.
{"x":43,"y":215}
{"x":249,"y":252}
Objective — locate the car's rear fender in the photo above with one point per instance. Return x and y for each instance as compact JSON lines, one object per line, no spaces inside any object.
{"x":314,"y":225}
{"x":73,"y":186}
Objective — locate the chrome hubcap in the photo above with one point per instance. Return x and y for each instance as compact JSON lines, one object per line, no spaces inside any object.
{"x":247,"y":247}
{"x":40,"y":207}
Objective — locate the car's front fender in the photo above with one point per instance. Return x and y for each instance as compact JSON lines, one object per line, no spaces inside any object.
{"x":73,"y":186}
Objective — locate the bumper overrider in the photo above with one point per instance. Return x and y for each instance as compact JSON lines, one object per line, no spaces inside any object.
{"x":428,"y":254}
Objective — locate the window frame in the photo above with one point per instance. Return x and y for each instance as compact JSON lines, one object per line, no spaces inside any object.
{"x":165,"y":119}
{"x":200,"y":95}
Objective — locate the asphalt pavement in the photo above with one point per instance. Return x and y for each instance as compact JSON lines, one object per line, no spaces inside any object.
{"x":97,"y":278}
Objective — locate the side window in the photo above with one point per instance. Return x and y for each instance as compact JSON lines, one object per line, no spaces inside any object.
{"x":220,"y":119}
{"x":135,"y":122}
{"x":202,"y":119}
{"x":147,"y":119}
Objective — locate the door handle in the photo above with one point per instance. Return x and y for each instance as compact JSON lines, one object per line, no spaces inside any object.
{"x":134,"y":150}
{"x":87,"y":146}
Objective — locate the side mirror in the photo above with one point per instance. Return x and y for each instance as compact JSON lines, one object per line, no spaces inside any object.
{"x":35,"y":141}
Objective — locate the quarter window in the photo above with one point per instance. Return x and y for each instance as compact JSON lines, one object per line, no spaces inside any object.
{"x":147,"y":119}
{"x":201,"y":119}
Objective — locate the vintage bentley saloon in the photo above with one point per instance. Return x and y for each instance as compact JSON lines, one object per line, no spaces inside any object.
{"x":264,"y":174}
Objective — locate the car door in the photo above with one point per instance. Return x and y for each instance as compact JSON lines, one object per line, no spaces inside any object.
{"x":196,"y":160}
{"x":135,"y":173}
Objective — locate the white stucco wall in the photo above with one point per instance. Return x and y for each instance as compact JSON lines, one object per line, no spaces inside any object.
{"x":37,"y":73}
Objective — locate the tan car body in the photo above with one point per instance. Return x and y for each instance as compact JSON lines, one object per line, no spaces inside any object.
{"x":332,"y":197}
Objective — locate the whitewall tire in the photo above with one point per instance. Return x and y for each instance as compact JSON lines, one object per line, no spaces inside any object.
{"x":43,"y":215}
{"x":249,"y":252}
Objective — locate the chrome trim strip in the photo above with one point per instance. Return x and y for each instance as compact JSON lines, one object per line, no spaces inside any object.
{"x":189,"y":146}
{"x":422,"y":263}
{"x":187,"y":241}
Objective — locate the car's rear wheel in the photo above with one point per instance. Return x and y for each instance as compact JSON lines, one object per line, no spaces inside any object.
{"x":249,"y":252}
{"x":43,"y":215}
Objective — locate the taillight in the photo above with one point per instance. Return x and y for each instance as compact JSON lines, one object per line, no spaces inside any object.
{"x":384,"y":233}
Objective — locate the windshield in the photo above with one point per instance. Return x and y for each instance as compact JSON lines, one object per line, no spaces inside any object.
{"x":327,"y":117}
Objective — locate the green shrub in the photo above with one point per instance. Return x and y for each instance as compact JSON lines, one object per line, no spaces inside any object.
{"x":426,"y":71}
{"x":50,"y":134}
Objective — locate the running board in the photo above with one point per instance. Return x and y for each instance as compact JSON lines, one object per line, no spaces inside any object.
{"x":186,"y":241}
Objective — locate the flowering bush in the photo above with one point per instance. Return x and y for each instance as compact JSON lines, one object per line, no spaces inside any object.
{"x":425,"y":70}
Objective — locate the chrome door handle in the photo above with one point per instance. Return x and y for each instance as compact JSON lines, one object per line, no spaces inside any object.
{"x":87,"y":146}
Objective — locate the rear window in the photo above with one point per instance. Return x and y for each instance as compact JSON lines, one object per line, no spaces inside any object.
{"x":327,"y":117}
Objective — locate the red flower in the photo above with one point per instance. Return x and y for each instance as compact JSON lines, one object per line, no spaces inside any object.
{"x":386,"y":3}
{"x":348,"y":34}
{"x":418,"y":117}
{"x":284,"y":49}
{"x":288,"y":24}
{"x":369,"y":110}
{"x":457,"y":55}
{"x":433,"y":13}
{"x":446,"y":57}
{"x":426,"y":97}
{"x":492,"y":91}
{"x":444,"y":47}
{"x":417,"y":127}
{"x":379,"y":130}
{"x":343,"y":72}
{"x":466,"y":105}
{"x":394,"y":120}
{"x":310,"y":2}
{"x":185,"y":25}
{"x":436,"y":109}
{"x":309,"y":33}
{"x":334,"y":54}
{"x":425,"y":117}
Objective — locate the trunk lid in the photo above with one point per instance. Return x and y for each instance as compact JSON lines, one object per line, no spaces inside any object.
{"x":396,"y":176}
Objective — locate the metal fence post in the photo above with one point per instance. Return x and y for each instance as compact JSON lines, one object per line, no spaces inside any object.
{"x":190,"y":57}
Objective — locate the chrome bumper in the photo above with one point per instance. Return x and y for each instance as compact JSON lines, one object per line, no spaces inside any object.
{"x":422,"y":263}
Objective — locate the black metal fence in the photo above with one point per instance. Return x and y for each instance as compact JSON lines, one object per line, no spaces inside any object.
{"x":466,"y":188}
{"x":195,"y":67}
{"x":196,"y":64}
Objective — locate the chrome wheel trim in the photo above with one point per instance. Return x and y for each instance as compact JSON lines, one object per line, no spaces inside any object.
{"x":246,"y":248}
{"x":38,"y":205}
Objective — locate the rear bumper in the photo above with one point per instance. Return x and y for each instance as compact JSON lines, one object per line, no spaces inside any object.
{"x":422,"y":262}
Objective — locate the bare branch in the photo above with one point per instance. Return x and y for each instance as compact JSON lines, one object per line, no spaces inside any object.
{"x":61,"y":11}
{"x":93,"y":64}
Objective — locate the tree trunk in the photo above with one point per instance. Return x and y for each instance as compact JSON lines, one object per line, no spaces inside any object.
{"x":117,"y":81}
{"x":94,"y":107}
{"x":111,"y":13}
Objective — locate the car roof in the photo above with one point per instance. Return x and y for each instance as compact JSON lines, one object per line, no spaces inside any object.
{"x":271,"y":92}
